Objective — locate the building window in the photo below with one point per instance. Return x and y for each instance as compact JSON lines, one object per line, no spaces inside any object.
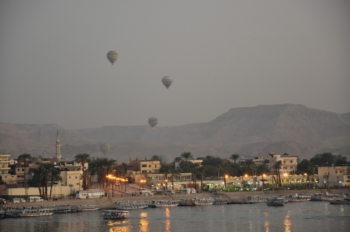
{"x":144,"y":165}
{"x":69,"y":177}
{"x":144,"y":171}
{"x":76,"y":177}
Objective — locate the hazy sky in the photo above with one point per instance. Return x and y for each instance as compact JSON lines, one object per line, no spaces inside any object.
{"x":221,"y":55}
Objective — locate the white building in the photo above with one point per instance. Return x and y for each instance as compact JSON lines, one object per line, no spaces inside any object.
{"x":289,"y":163}
{"x":334,"y":176}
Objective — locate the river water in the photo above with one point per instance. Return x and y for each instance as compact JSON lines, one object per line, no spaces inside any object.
{"x":309,"y":216}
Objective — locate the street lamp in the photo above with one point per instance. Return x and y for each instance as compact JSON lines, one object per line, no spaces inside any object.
{"x":263,"y":180}
{"x":225,"y":177}
{"x":142,"y":182}
{"x":166,"y":184}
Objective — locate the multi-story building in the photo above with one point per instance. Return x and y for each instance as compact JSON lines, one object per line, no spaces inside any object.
{"x":143,"y":166}
{"x":333,"y":176}
{"x":5,"y":175}
{"x":289,"y":163}
{"x":4,"y":163}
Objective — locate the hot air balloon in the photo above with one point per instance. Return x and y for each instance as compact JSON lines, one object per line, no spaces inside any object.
{"x":167,"y":81}
{"x":105,"y":147}
{"x":112,"y":56}
{"x":152,"y":122}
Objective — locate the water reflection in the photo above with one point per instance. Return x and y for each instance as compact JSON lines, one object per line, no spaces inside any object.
{"x":267,"y":222}
{"x":144,"y":222}
{"x":122,"y":226}
{"x":167,"y":221}
{"x":287,"y":222}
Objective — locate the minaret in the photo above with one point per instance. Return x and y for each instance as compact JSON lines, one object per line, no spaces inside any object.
{"x":58,"y":148}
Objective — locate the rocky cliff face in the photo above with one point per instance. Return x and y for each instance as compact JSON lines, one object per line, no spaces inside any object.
{"x":248,"y":131}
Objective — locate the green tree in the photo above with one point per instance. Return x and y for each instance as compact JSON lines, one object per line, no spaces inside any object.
{"x":41,"y":177}
{"x":155,"y":157}
{"x":234,"y":157}
{"x":165,"y":169}
{"x":202,"y":170}
{"x":262,"y":169}
{"x":277,"y":166}
{"x":305,"y":166}
{"x":322,"y":160}
{"x":97,"y":167}
{"x":174,"y":174}
{"x":249,"y":166}
{"x":186,"y":156}
{"x":83,"y":158}
{"x":54,"y":177}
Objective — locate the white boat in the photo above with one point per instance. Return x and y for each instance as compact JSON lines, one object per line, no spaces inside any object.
{"x":88,"y":207}
{"x":298,"y":198}
{"x":131,"y":205}
{"x":256,"y":199}
{"x":163,"y":204}
{"x":204,"y":201}
{"x":276,"y":201}
{"x":115,"y":214}
{"x":220,"y":201}
{"x":38,"y":212}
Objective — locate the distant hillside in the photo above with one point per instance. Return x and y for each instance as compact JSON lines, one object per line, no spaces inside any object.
{"x":248,"y":131}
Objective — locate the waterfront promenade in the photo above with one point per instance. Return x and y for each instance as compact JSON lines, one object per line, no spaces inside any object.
{"x":108,"y":202}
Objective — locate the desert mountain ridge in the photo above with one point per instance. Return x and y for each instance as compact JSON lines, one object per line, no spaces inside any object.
{"x":248,"y":131}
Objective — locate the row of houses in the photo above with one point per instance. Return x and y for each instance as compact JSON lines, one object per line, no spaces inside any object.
{"x":147,"y":172}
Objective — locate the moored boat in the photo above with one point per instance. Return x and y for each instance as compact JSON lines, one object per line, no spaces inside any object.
{"x":163,"y":204}
{"x":115,"y":214}
{"x":276,"y":201}
{"x":187,"y":202}
{"x":2,"y":213}
{"x":298,"y":198}
{"x":38,"y":212}
{"x":340,"y":202}
{"x":131,"y":205}
{"x":204,"y":201}
{"x":88,"y":207}
{"x":256,"y":199}
{"x":220,"y":201}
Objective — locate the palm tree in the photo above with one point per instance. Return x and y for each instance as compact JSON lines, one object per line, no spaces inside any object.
{"x":36,"y":179}
{"x":194,"y":168}
{"x":83,"y":158}
{"x":174,"y":174}
{"x":202,"y":171}
{"x":234,"y":157}
{"x":250,"y":166}
{"x":277,"y":166}
{"x":41,"y":176}
{"x":186,"y":156}
{"x":24,"y":158}
{"x":165,"y":169}
{"x":96,"y":167}
{"x":54,"y":176}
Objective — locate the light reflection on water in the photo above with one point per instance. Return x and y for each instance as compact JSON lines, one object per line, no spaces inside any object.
{"x":311,"y":216}
{"x":144,"y":222}
{"x":287,"y":222}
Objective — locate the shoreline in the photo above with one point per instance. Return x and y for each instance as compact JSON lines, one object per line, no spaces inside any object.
{"x":109,"y":202}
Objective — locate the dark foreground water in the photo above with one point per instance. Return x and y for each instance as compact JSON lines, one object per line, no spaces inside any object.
{"x":310,"y":216}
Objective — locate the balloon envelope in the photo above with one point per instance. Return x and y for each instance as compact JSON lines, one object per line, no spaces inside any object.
{"x":112,"y":56}
{"x":152,"y":122}
{"x":167,"y":81}
{"x":105,"y":147}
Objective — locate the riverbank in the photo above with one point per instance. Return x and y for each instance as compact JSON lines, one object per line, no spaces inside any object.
{"x":108,"y":202}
